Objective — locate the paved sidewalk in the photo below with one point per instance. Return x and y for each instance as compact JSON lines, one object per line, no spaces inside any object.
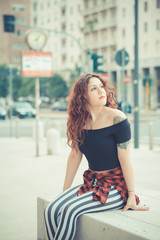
{"x":24,"y":177}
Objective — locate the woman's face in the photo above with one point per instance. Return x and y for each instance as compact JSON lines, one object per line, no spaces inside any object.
{"x":96,"y":93}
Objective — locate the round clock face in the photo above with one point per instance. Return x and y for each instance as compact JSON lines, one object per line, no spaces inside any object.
{"x":36,"y":39}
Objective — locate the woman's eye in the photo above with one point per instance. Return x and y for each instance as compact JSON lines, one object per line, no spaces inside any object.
{"x":93,"y":89}
{"x":102,"y":86}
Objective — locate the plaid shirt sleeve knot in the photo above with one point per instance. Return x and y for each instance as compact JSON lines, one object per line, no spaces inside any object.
{"x":101,"y":184}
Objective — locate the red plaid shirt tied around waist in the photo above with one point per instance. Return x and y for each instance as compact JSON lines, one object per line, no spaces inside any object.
{"x":101,"y":184}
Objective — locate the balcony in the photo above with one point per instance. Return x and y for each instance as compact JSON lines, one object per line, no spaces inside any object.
{"x":102,"y":25}
{"x":100,"y":44}
{"x":109,"y":4}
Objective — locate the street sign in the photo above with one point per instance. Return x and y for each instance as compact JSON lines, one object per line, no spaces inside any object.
{"x":122,"y":57}
{"x":106,"y":76}
{"x":37,"y":64}
{"x":127,"y":79}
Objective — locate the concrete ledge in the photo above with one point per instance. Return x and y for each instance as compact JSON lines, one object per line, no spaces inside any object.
{"x":111,"y":225}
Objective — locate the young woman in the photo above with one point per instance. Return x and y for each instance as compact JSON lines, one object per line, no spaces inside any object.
{"x":97,"y":129}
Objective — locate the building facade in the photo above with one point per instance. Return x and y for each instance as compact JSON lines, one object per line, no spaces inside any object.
{"x":109,"y":27}
{"x":12,"y":44}
{"x":64,"y":19}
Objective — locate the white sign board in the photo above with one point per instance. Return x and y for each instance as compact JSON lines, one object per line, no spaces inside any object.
{"x":37,"y":64}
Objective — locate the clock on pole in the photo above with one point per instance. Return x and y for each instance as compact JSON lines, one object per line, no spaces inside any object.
{"x":36,"y":39}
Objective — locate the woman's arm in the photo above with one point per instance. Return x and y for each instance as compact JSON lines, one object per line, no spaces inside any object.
{"x":127,"y":169}
{"x":73,"y":163}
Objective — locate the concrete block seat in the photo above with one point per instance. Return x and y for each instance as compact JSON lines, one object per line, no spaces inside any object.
{"x":111,"y":225}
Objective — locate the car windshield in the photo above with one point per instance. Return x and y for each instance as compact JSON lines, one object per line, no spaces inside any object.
{"x":23,"y":105}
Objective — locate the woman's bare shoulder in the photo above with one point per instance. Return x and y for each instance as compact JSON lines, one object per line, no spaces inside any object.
{"x":117,"y":115}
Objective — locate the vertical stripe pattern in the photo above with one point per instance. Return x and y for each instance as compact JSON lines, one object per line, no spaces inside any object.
{"x":62,"y":213}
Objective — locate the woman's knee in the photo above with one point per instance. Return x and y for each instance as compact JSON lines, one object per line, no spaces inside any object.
{"x":68,"y":207}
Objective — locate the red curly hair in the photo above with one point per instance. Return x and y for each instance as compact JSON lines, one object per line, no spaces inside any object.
{"x":78,"y":111}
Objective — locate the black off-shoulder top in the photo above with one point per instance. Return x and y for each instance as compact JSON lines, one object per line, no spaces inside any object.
{"x":100,"y":145}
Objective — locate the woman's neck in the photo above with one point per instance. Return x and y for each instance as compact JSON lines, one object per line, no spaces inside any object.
{"x":95,"y":113}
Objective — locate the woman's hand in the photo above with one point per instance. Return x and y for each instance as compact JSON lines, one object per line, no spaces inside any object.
{"x":131,"y":204}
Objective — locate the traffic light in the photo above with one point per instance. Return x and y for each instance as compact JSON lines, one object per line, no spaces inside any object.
{"x":95,"y":58}
{"x":8,"y":22}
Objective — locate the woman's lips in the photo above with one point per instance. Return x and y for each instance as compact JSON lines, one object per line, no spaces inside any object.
{"x":102,"y":97}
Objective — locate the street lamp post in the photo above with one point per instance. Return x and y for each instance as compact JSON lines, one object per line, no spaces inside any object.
{"x":136,"y":81}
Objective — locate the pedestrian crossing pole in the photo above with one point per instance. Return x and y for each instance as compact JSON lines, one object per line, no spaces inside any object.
{"x":37,"y":115}
{"x":136,"y":82}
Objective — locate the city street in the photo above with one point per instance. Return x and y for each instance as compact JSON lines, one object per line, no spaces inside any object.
{"x":26,"y":126}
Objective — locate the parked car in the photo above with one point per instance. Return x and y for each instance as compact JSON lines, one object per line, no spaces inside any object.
{"x":3,"y":113}
{"x":23,"y":110}
{"x":59,"y":106}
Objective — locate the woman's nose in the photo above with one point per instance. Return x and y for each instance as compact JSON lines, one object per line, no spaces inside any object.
{"x":99,"y":91}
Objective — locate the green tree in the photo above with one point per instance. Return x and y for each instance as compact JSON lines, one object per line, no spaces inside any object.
{"x":57,"y":87}
{"x":4,"y":83}
{"x":27,"y":87}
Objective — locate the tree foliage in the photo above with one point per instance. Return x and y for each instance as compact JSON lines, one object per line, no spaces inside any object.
{"x":53,"y":87}
{"x":4,"y":83}
{"x":57,"y":87}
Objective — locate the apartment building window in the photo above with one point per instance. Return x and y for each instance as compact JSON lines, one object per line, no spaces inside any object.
{"x":158,"y":3}
{"x":95,"y":50}
{"x":16,"y":58}
{"x":63,"y":42}
{"x":41,"y":6}
{"x":145,"y":27}
{"x":86,"y":3}
{"x":123,"y":32}
{"x":95,"y":35}
{"x":104,"y":15}
{"x":79,"y":7}
{"x":104,"y":34}
{"x":113,"y":32}
{"x":113,"y":13}
{"x":158,"y":24}
{"x":35,"y":6}
{"x":145,"y":6}
{"x":19,"y":32}
{"x":18,"y":45}
{"x":63,"y":27}
{"x":86,"y":37}
{"x":64,"y":58}
{"x":104,"y":50}
{"x":35,"y":20}
{"x":113,"y":51}
{"x":103,"y":1}
{"x":48,"y":4}
{"x":95,"y":18}
{"x":123,"y":12}
{"x":94,"y":2}
{"x":63,"y":11}
{"x":18,"y":8}
{"x":157,"y":46}
{"x":20,"y":20}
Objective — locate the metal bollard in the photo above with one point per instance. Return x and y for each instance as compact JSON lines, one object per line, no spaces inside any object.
{"x":53,"y":141}
{"x":150,"y":136}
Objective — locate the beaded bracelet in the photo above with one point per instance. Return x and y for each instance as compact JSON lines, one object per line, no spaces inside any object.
{"x":131,"y":191}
